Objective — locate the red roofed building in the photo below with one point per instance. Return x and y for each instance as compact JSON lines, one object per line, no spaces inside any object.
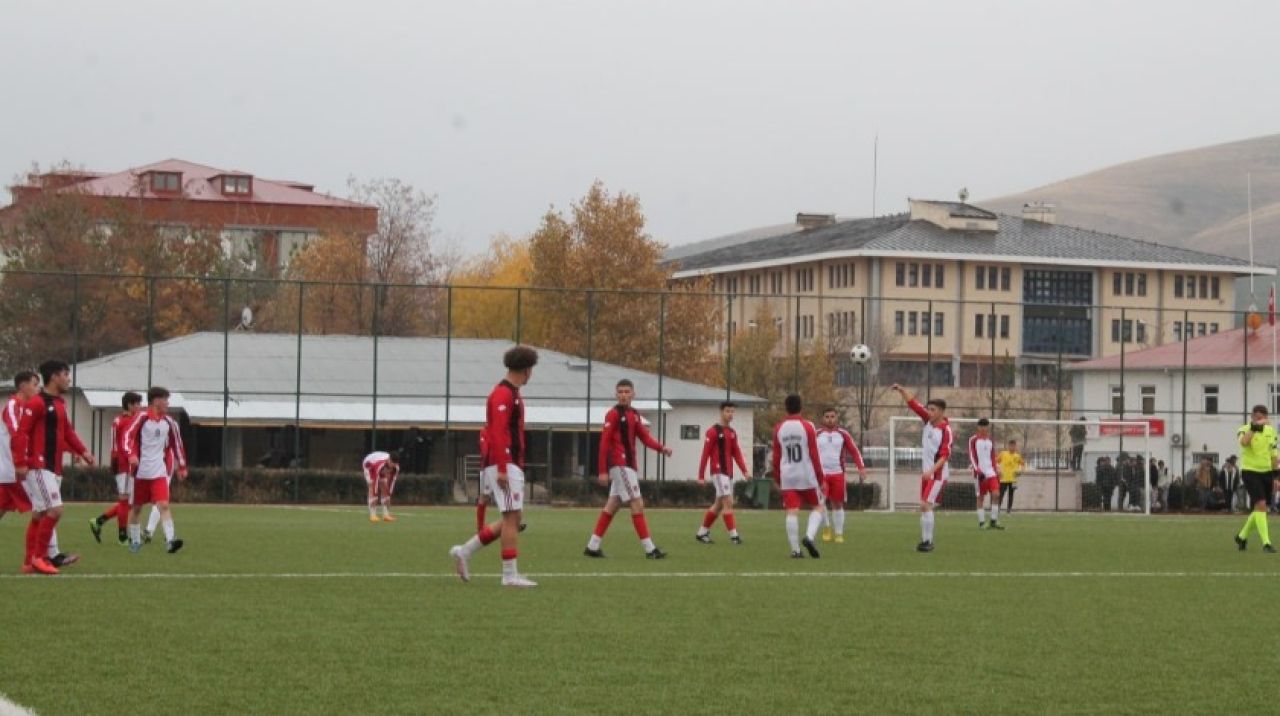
{"x":259,"y":218}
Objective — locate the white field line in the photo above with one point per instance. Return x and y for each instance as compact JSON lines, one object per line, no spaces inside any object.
{"x":652,"y":575}
{"x":9,"y":708}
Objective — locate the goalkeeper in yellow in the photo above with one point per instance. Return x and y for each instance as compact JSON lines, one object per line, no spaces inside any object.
{"x":1009,"y":463}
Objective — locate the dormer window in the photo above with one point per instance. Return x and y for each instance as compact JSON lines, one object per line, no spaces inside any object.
{"x":166,"y":182}
{"x":237,"y":186}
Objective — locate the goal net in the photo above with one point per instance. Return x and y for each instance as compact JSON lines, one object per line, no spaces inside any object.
{"x":1067,"y":465}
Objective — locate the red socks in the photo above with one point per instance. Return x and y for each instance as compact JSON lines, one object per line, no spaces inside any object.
{"x":710,"y":519}
{"x":44,"y":535}
{"x":602,"y":524}
{"x":33,"y":538}
{"x":122,"y":514}
{"x":730,"y":522}
{"x":641,"y":525}
{"x":508,"y":554}
{"x":486,"y":535}
{"x":481,"y":506}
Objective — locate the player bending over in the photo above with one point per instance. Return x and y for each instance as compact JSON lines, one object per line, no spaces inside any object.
{"x":153,"y":447}
{"x":834,"y":442}
{"x":721,"y":451}
{"x":796,"y":469}
{"x":936,"y":440}
{"x":987,"y":482}
{"x":131,"y":403}
{"x":622,"y":425}
{"x":380,"y":472}
{"x":502,"y":469}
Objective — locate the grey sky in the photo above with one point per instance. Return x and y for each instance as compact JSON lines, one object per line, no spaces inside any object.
{"x":719,"y":115}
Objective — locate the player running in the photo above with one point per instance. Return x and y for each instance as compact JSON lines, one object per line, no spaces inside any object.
{"x":936,"y":440}
{"x":720,"y":450}
{"x":131,"y":403}
{"x":153,"y":447}
{"x":987,"y":482}
{"x":796,"y":469}
{"x":618,"y":470}
{"x":13,"y":498}
{"x":380,"y":472}
{"x":834,"y":443}
{"x":502,"y":469}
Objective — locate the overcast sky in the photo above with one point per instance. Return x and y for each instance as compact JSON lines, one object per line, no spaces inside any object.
{"x":721,"y":116}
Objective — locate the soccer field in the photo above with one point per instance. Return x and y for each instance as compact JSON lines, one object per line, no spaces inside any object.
{"x":297,"y":610}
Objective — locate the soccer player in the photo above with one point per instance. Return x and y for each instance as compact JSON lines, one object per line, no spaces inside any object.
{"x":796,"y":469}
{"x":721,"y":451}
{"x":44,"y":436}
{"x":131,"y":403}
{"x":502,"y":466}
{"x":834,"y":442}
{"x":618,"y":470}
{"x":936,"y":440}
{"x":484,"y":499}
{"x":1259,"y":457}
{"x":380,"y":472}
{"x":1009,"y":461}
{"x":982,"y":461}
{"x":13,"y":498}
{"x":153,"y":447}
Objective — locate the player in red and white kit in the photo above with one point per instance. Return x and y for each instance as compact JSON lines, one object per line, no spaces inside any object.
{"x":153,"y":447}
{"x":797,"y":471}
{"x":485,"y":498}
{"x":44,"y":437}
{"x":982,"y":459}
{"x":131,"y":403}
{"x":13,"y":498}
{"x":618,"y":470}
{"x":935,"y":439}
{"x":834,"y":443}
{"x":720,"y":451}
{"x":502,"y":469}
{"x":380,"y":472}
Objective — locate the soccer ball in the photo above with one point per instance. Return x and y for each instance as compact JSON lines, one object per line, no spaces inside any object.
{"x":860,"y":353}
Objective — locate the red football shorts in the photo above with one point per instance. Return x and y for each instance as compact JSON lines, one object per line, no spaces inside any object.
{"x":931,"y":490}
{"x":988,"y":486}
{"x":149,"y":491}
{"x":836,"y":488}
{"x":13,"y":498}
{"x":794,"y":499}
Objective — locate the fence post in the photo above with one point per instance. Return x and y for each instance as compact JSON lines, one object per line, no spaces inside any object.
{"x":728,"y":350}
{"x":1057,"y":427}
{"x":377,"y":300}
{"x":449,"y":458}
{"x":1186,"y":316}
{"x":928,"y":361}
{"x":75,"y":338}
{"x":226,"y":379}
{"x":151,"y":317}
{"x":297,"y":400}
{"x":586,"y":438}
{"x":662,"y":416}
{"x":519,"y":315}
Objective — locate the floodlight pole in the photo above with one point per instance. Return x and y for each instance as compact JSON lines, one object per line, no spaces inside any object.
{"x":297,"y":398}
{"x":373,"y":436}
{"x":662,"y":416}
{"x":75,"y":337}
{"x":226,"y":378}
{"x":728,"y":351}
{"x":151,"y":314}
{"x":448,"y":379}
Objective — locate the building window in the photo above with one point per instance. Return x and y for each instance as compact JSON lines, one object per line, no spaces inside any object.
{"x":1177,"y":330}
{"x":937,"y":276}
{"x":1273,"y":389}
{"x":913,"y":275}
{"x":1128,"y":284}
{"x":236,"y":185}
{"x":806,"y":327}
{"x":1115,"y":330}
{"x":926,"y":275}
{"x":689,"y":432}
{"x":1202,"y":330}
{"x":1142,"y":284}
{"x":1006,"y":278}
{"x":897,"y":323}
{"x":1141,"y":331}
{"x":1057,"y":287}
{"x":1191,"y":287}
{"x":1117,"y":284}
{"x":1148,"y":399}
{"x":1213,"y":328}
{"x":1204,"y":287}
{"x":840,"y":276}
{"x":1117,"y":400}
{"x":1004,"y":326}
{"x":1210,"y":400}
{"x":166,"y":181}
{"x":925,"y":328}
{"x":900,"y":274}
{"x":937,"y":323}
{"x":977,"y":326}
{"x":980,"y":277}
{"x":1177,"y":286}
{"x":911,"y":323}
{"x":1215,"y":288}
{"x":775,"y":282}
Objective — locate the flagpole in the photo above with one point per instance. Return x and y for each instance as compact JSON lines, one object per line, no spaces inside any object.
{"x":1249,"y":199}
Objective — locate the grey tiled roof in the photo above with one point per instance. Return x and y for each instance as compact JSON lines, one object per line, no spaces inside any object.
{"x":1027,"y":241}
{"x":966,"y":211}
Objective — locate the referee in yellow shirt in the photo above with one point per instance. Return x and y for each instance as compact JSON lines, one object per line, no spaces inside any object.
{"x":1258,"y":455}
{"x":1009,"y":463}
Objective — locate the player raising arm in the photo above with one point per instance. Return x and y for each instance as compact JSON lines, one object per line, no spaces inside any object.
{"x":936,"y":440}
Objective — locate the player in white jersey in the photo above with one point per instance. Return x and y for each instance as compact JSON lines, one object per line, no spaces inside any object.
{"x":13,"y":498}
{"x":935,"y":440}
{"x":982,"y":459}
{"x":834,"y":442}
{"x":153,"y":447}
{"x":797,"y":470}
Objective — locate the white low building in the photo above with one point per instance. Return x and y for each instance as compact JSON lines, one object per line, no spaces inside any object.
{"x":311,"y":401}
{"x":1195,"y":393}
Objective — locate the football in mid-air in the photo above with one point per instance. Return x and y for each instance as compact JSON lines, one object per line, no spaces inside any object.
{"x":860,"y":353}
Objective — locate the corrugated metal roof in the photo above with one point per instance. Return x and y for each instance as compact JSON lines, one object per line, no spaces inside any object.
{"x":337,"y":378}
{"x":1226,"y":349}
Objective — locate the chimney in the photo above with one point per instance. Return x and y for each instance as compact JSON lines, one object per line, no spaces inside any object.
{"x":808,"y":222}
{"x":1041,"y":212}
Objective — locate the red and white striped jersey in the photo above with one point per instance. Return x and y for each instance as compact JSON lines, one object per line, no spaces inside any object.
{"x":155,"y":439}
{"x":795,"y":454}
{"x":373,"y":464}
{"x":936,"y":441}
{"x":833,"y":445}
{"x":11,"y":418}
{"x":119,"y":428}
{"x":982,"y":457}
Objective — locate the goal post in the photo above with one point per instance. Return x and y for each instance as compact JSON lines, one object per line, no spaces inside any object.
{"x":1105,"y":470}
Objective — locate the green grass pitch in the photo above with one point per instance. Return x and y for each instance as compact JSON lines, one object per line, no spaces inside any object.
{"x":304,"y":611}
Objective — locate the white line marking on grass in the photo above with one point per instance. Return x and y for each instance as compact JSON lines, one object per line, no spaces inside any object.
{"x":9,"y":708}
{"x":654,"y":575}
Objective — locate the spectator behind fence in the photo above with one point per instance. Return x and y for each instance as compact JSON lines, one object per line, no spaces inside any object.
{"x":1077,"y":434}
{"x":1232,"y":485}
{"x":1106,"y":479}
{"x":1203,"y":478}
{"x":1131,"y":492}
{"x":1153,"y":477}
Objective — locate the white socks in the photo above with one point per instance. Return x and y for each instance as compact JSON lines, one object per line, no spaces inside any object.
{"x":509,"y":570}
{"x":982,"y":514}
{"x":793,"y":532}
{"x":826,"y":518}
{"x":53,"y":544}
{"x":995,"y":511}
{"x":471,"y":546}
{"x":373,"y":507}
{"x":926,"y":526}
{"x":386,"y":506}
{"x":153,"y":519}
{"x":837,"y":516}
{"x":135,"y":533}
{"x":168,"y":530}
{"x":815,"y":522}
{"x":648,"y":545}
{"x":594,"y":542}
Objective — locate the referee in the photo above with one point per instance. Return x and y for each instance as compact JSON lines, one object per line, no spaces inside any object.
{"x":1258,"y":454}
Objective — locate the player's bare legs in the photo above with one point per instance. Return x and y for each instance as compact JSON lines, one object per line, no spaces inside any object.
{"x":638,"y":520}
{"x":373,"y":501}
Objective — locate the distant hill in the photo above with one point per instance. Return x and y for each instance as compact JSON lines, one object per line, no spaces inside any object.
{"x":1194,"y":199}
